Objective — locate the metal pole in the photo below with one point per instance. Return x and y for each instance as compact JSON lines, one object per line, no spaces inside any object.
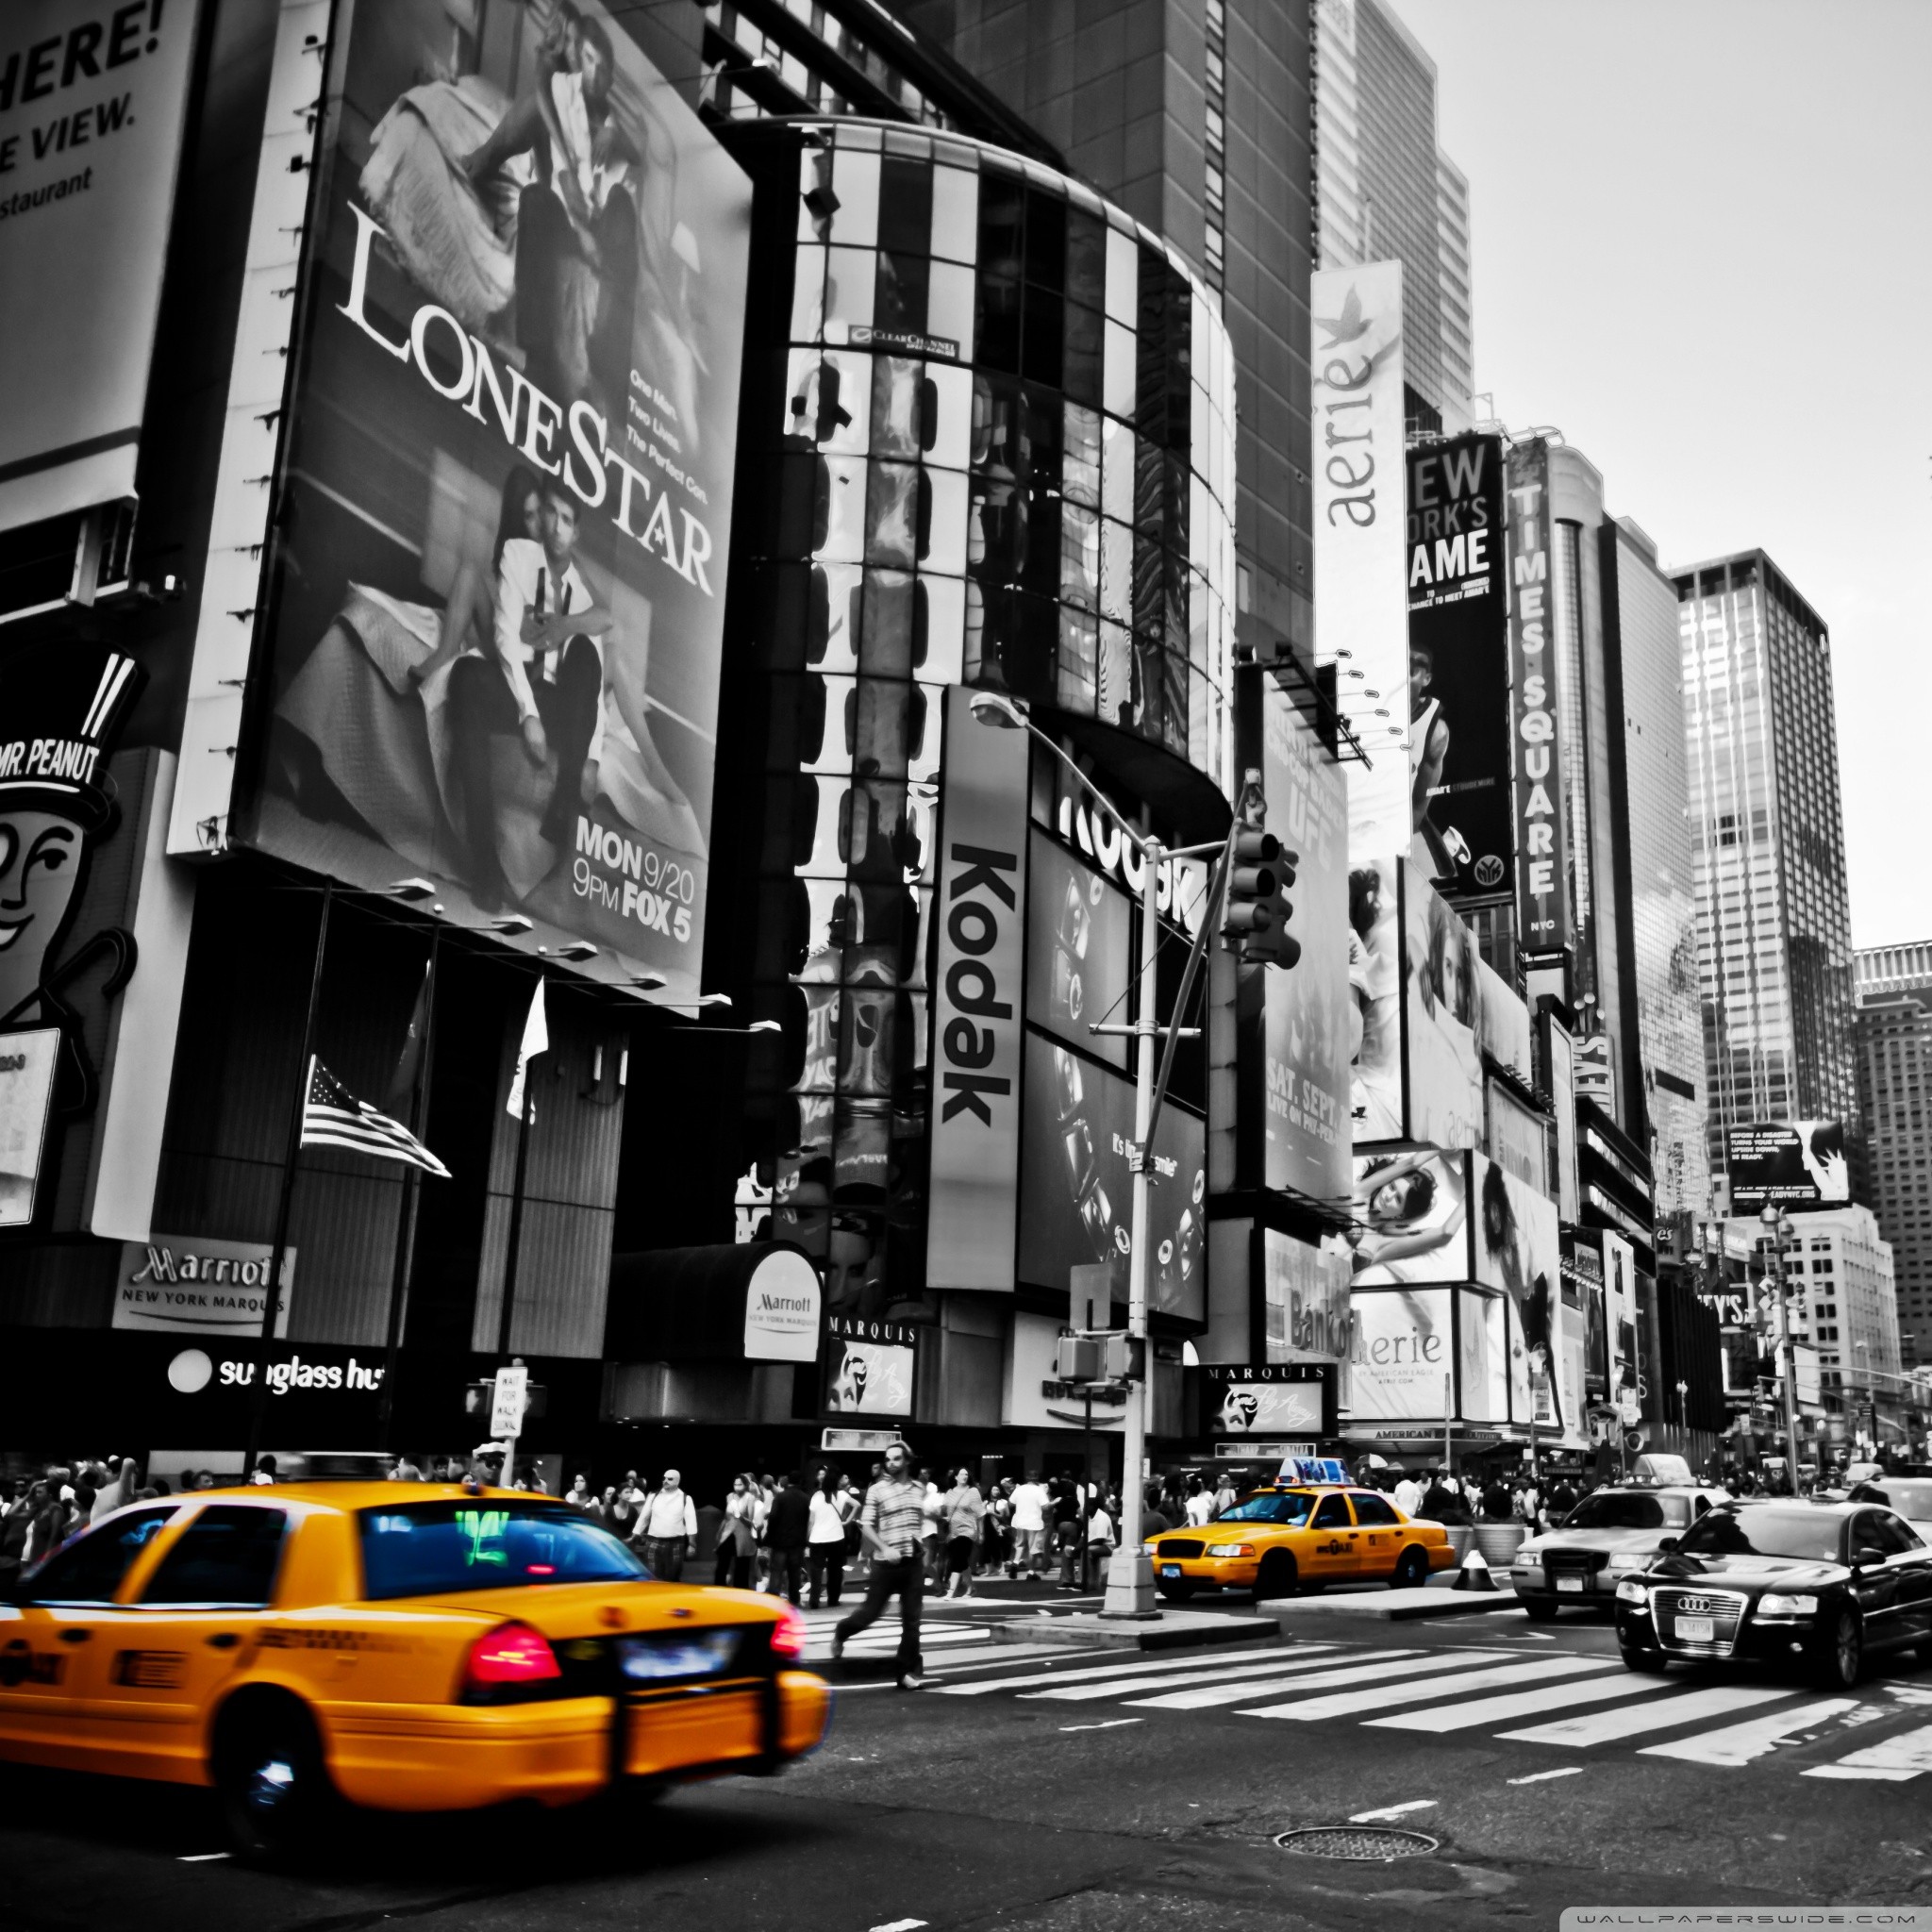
{"x":1086,"y":1470}
{"x":512,"y":1253}
{"x":1130,"y":1574}
{"x":412,"y":1195}
{"x":1785,"y":1350}
{"x":272,"y":1297}
{"x":1448,"y":1412}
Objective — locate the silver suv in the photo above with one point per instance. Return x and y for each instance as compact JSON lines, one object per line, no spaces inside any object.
{"x":1612,"y":1534}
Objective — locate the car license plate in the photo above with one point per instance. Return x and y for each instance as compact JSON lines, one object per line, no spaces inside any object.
{"x":1572,"y":1586}
{"x":1170,"y":1569}
{"x":1696,"y":1630}
{"x":651,"y":1659}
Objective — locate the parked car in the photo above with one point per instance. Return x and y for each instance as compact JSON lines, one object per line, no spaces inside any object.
{"x":1613,"y":1533}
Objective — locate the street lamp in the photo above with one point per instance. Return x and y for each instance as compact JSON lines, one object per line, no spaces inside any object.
{"x":1777,"y":1228}
{"x":1129,"y":1570}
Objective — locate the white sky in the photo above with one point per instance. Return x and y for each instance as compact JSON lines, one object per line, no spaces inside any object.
{"x":1703,"y":250}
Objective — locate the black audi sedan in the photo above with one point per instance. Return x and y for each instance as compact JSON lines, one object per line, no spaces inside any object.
{"x":1821,"y":1587}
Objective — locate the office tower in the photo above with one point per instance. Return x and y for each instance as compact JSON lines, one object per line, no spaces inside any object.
{"x":1893,"y":1025}
{"x":1774,"y":923}
{"x":1385,"y":192}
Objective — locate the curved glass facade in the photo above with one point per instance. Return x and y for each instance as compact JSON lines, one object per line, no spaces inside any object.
{"x":998,"y":436}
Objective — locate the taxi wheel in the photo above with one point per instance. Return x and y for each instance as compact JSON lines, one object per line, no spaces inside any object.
{"x":1411,"y":1569}
{"x":274,"y":1787}
{"x":1539,"y":1610}
{"x":1279,"y":1576}
{"x":1840,"y":1653}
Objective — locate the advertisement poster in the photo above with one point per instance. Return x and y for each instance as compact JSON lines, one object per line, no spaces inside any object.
{"x":497,"y":617}
{"x":28,"y":1061}
{"x":1519,"y":1138}
{"x":1361,"y":620}
{"x":1483,"y":1341}
{"x":1443,"y":1013}
{"x":1076,"y":1193}
{"x":1505,"y":1023}
{"x":1563,"y":1101}
{"x":1459,"y":665}
{"x":1306,"y":1298}
{"x":1377,"y":1105}
{"x":1620,"y":1322}
{"x":1411,"y":1216}
{"x":869,"y":1367}
{"x":1543,"y":881}
{"x":93,"y":102}
{"x":1079,"y":953}
{"x":1309,"y":1023}
{"x":1278,"y":1404}
{"x":980,"y":950}
{"x":1401,"y":1361}
{"x":1518,"y":1249}
{"x":1787,"y":1164}
{"x":198,"y":1285}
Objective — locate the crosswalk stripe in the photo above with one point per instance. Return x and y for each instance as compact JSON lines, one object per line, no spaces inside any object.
{"x":1660,"y":1714}
{"x":1253,"y":1674}
{"x":1123,"y":1671}
{"x":1423,"y":1690}
{"x":1894,"y":1760}
{"x":1378,"y":1670}
{"x":1741,"y":1743}
{"x":1486,"y":1711}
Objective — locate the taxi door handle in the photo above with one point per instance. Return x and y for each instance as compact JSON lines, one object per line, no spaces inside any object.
{"x":75,"y":1636}
{"x":224,"y":1640}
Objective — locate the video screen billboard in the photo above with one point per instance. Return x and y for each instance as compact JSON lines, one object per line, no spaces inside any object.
{"x":1305,"y":1018}
{"x":1305,"y":1296}
{"x":1789,"y":1164}
{"x":1459,"y":664}
{"x":1076,"y":1194}
{"x":492,"y":648}
{"x":1411,"y":1218}
{"x":1518,"y":1249}
{"x":1079,"y":950}
{"x":1401,"y":1358}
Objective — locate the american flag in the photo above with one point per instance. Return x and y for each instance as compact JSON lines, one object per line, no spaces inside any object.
{"x":333,"y":1117}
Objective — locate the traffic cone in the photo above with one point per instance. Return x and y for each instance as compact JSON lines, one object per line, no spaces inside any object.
{"x":1474,"y":1573}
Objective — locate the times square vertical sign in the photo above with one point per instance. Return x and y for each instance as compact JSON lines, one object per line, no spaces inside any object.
{"x":1542,"y":853}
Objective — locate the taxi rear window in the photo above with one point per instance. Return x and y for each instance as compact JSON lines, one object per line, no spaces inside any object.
{"x":431,"y":1549}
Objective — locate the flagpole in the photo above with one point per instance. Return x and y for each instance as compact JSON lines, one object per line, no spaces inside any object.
{"x":412,"y":1194}
{"x":513,"y":1241}
{"x":272,"y":1298}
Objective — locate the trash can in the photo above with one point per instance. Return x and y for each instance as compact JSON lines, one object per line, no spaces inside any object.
{"x":1498,"y":1542}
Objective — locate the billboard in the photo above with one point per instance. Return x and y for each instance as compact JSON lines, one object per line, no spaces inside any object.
{"x":496,"y":615}
{"x":1542,"y":883}
{"x":1294,"y":1401}
{"x":1305,"y":1298}
{"x":1459,"y":665}
{"x":1518,"y":1249}
{"x":869,"y":1366}
{"x":1505,"y":1023}
{"x":1360,"y":613}
{"x":1401,"y":1356}
{"x":1583,"y":1291}
{"x":1620,"y":1322}
{"x":1483,"y":1357}
{"x":1787,"y":1164}
{"x":1076,"y":1193}
{"x":29,"y":1062}
{"x":1306,"y":1023}
{"x":978,"y":953}
{"x":1079,"y":951}
{"x":1562,"y":1061}
{"x":92,"y":103}
{"x":1411,"y":1218}
{"x":1443,"y":1018}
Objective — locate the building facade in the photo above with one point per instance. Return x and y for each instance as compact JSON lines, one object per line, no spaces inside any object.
{"x":1773,"y":921}
{"x":1893,"y":1024}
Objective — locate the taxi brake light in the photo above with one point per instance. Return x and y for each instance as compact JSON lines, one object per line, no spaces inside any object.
{"x":789,"y":1634}
{"x":511,"y":1653}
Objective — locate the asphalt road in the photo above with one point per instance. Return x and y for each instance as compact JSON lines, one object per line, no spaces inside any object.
{"x":985,"y":1802}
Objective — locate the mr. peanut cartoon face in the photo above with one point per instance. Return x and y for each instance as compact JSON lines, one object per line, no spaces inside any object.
{"x":39,"y":868}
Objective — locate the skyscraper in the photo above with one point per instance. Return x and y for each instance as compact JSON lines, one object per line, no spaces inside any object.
{"x":1383,"y":192}
{"x":1774,"y":926}
{"x":1893,"y":1025}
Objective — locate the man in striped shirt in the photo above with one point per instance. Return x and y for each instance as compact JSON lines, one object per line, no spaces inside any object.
{"x":893,"y":1523}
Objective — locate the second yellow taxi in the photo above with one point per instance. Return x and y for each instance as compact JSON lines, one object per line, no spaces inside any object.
{"x":1276,"y":1541}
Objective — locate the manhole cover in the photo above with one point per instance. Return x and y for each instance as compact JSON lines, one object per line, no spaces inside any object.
{"x":1366,"y":1844}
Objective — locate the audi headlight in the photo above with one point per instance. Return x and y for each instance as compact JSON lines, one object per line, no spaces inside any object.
{"x":1221,"y":1551}
{"x":1628,"y":1560}
{"x":1631,"y":1591}
{"x":1772,"y":1603}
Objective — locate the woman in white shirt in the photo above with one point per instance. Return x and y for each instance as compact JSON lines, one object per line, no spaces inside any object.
{"x":825,"y":1550}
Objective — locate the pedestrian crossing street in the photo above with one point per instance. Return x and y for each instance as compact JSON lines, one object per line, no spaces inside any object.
{"x":1565,"y":1701}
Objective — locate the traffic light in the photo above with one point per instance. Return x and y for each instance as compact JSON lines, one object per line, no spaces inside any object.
{"x":1259,"y":909}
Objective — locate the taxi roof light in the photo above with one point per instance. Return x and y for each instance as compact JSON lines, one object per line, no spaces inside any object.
{"x":512,"y":1653}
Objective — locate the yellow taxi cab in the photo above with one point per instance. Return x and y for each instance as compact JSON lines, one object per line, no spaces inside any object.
{"x":412,"y":1647}
{"x":1279,"y":1539}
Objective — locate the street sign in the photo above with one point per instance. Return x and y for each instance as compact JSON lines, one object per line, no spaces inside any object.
{"x":506,"y":1403}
